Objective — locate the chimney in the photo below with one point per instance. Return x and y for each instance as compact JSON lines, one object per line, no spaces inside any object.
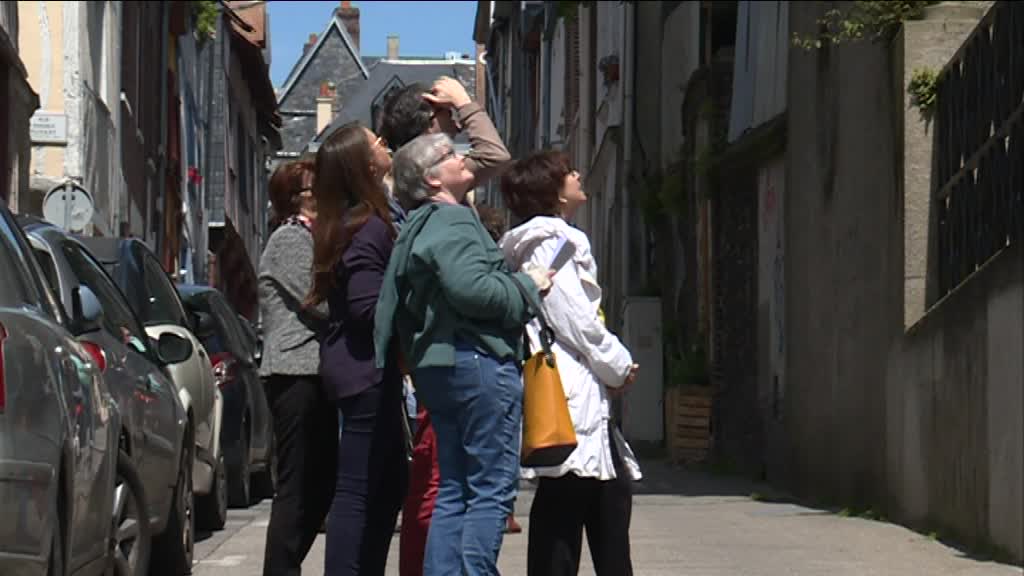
{"x":392,"y":46}
{"x":324,"y":106}
{"x":309,"y":44}
{"x":349,"y":16}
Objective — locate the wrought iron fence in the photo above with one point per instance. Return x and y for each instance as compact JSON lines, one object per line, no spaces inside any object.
{"x":979,"y":115}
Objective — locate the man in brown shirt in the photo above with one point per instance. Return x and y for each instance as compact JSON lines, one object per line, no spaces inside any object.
{"x":415,"y":110}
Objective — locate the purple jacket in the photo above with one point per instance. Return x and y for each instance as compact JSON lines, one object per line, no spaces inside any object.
{"x":347,"y":353}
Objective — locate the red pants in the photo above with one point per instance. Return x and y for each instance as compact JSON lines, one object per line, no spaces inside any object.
{"x":424,"y":479}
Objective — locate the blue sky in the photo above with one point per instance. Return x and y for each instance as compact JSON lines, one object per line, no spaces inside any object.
{"x":424,"y":28}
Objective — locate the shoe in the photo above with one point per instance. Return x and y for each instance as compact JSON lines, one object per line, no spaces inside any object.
{"x":512,"y":527}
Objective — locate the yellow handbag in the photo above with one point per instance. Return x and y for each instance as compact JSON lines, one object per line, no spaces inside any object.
{"x":549,"y":436}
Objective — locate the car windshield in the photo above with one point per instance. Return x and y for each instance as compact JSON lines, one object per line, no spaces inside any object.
{"x":221,"y":336}
{"x":13,"y":288}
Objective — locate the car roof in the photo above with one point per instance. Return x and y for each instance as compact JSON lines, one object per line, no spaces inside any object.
{"x":190,"y":290}
{"x":106,"y":250}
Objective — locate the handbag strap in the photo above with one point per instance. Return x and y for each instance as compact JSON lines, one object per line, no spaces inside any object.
{"x":547,"y":335}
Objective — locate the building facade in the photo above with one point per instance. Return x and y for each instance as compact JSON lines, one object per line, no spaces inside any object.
{"x":20,"y":101}
{"x":848,"y":266}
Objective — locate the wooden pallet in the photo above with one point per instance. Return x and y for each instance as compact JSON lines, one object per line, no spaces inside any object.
{"x":688,"y":412}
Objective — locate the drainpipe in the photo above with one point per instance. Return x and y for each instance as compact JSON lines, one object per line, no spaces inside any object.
{"x":546,"y":88}
{"x":161,"y":182}
{"x":627,"y":224}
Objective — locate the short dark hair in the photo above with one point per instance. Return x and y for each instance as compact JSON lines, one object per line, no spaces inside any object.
{"x":285,"y":188}
{"x":531,"y":185}
{"x":406,"y":115}
{"x":493,"y":220}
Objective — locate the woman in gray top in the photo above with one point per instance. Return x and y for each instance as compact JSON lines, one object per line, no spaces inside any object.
{"x":305,"y":422}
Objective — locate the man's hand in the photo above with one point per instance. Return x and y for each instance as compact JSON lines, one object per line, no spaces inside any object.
{"x":447,"y":92}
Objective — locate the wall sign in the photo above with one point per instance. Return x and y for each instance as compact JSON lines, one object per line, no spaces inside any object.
{"x":48,"y":128}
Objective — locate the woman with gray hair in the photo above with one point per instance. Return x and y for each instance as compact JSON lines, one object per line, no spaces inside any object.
{"x":459,"y":313}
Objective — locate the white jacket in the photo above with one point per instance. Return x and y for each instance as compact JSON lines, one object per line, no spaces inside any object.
{"x":589,"y":357}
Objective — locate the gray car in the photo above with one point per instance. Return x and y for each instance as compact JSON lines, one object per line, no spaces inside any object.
{"x":58,"y":429}
{"x":159,"y":434}
{"x":153,"y":299}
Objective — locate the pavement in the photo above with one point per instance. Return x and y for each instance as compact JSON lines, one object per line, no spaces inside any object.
{"x":684,"y":523}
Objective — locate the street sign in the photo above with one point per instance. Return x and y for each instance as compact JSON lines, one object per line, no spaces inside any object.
{"x":48,"y":128}
{"x":68,"y":206}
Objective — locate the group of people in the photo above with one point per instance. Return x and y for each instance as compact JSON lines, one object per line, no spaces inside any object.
{"x":380,"y":270}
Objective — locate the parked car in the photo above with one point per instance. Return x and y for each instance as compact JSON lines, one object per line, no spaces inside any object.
{"x":153,"y":299}
{"x":158,"y":429}
{"x":59,"y":429}
{"x":247,"y":436}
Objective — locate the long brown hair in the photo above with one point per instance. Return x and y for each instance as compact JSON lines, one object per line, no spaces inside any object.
{"x":286,"y":185}
{"x":347,"y":193}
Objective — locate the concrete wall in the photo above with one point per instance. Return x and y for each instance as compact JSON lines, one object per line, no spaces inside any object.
{"x":924,"y":424}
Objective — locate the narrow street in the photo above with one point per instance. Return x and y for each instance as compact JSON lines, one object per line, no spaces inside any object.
{"x":683,"y":524}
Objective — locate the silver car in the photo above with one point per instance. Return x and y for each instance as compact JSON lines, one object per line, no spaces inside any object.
{"x":156,"y":303}
{"x":58,"y":430}
{"x":159,"y":434}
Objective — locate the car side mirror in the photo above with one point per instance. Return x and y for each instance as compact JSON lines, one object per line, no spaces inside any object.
{"x":173,"y":349}
{"x":86,"y":310}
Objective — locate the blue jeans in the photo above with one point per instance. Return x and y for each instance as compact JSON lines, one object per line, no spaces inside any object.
{"x":476,"y":409}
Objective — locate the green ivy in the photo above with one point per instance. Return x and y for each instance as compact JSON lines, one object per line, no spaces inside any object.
{"x":873,"y":19}
{"x":689,"y":368}
{"x":206,"y":13}
{"x":923,"y":89}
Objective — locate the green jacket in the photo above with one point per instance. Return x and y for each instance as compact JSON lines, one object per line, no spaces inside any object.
{"x":448,"y":281}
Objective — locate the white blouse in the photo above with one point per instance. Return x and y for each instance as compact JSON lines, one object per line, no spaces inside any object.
{"x":590,"y":358}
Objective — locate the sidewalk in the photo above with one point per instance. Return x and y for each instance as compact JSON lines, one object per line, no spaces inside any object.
{"x":694,"y":524}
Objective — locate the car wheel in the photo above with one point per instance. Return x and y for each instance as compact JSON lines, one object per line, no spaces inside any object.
{"x":174,"y":550}
{"x":213,"y":508}
{"x":239,"y":495}
{"x":130,"y":545}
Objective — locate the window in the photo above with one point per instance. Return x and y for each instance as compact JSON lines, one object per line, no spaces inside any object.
{"x":225,"y":336}
{"x":16,"y":289}
{"x":49,"y":269}
{"x":118,"y":319}
{"x":162,"y":304}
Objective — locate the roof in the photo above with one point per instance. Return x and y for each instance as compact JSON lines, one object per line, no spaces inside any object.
{"x":250,"y":43}
{"x":386,"y":74}
{"x":255,"y":15}
{"x":307,"y":57}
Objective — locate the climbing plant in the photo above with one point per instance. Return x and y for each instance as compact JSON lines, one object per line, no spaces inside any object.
{"x":875,"y":20}
{"x":206,"y":13}
{"x":923,"y":89}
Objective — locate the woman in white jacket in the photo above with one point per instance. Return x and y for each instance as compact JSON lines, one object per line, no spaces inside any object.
{"x":592,"y":488}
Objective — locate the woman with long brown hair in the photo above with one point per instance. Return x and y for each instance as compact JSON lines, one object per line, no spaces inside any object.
{"x":304,"y":420}
{"x":353,"y":239}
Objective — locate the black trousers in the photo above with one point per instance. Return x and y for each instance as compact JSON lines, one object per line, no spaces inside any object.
{"x":563,"y":507}
{"x":306,"y":432}
{"x":372,"y":478}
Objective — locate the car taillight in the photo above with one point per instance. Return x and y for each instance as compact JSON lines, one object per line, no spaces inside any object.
{"x":223,"y":368}
{"x":98,"y":355}
{"x":3,"y":388}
